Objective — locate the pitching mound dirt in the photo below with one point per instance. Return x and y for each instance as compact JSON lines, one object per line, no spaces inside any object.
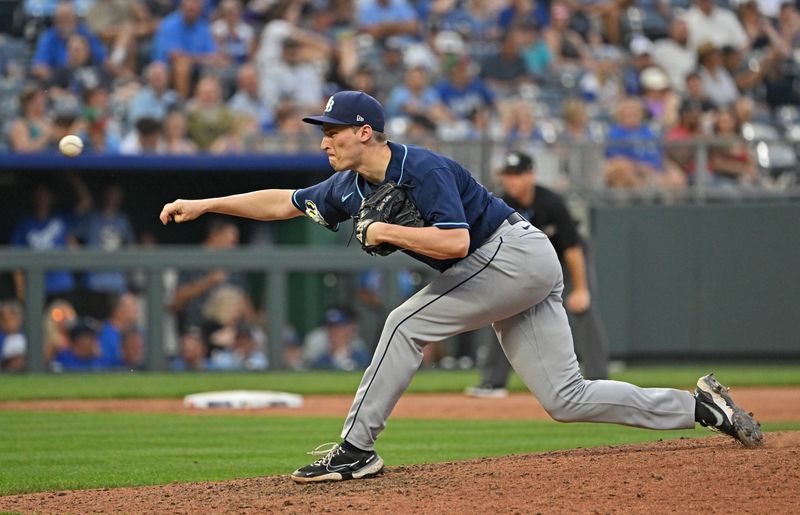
{"x":710,"y":475}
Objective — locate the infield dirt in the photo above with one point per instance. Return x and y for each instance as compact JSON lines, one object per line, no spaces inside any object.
{"x":709,"y":475}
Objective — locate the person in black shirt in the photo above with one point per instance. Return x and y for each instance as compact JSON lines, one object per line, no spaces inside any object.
{"x":547,"y":211}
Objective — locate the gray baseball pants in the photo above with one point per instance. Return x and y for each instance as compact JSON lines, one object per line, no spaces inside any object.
{"x":588,"y":334}
{"x":514,"y":282}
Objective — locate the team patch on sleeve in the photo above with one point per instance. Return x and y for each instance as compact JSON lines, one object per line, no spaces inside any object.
{"x":313,"y":213}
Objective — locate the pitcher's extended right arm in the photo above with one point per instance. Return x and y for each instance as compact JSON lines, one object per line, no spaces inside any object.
{"x":262,"y":205}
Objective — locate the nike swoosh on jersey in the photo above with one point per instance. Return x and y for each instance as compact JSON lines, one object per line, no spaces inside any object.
{"x":345,"y":197}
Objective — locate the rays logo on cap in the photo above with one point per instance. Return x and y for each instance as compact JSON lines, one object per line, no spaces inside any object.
{"x":329,"y":105}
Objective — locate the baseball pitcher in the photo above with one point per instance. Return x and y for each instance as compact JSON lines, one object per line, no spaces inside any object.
{"x":496,"y":268}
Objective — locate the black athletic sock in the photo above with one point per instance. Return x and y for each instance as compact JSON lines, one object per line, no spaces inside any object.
{"x":347,"y":446}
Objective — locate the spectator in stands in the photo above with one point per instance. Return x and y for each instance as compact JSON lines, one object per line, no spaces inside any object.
{"x":523,"y":12}
{"x":660,"y":101}
{"x":760,"y":32}
{"x":383,"y":18}
{"x":364,"y":79}
{"x":176,"y":141}
{"x":234,"y":343}
{"x":641,"y":49}
{"x":336,"y":344}
{"x":687,"y":129}
{"x":518,"y":120}
{"x":160,"y":8}
{"x":247,"y":99}
{"x":476,"y":20}
{"x":51,"y":46}
{"x":674,"y":55}
{"x":465,"y":95}
{"x":109,"y":229}
{"x":291,"y":78}
{"x":222,"y":311}
{"x":715,"y":77}
{"x":748,"y":75}
{"x":101,"y":132}
{"x":48,"y":230}
{"x":13,"y":344}
{"x":291,"y":135}
{"x":566,"y":46}
{"x":695,"y":90}
{"x":184,"y":41}
{"x":144,"y":139}
{"x":196,"y":286}
{"x":246,"y":353}
{"x":78,"y":75}
{"x":635,"y":156}
{"x":392,"y":69}
{"x":209,"y":118}
{"x":121,"y":25}
{"x":59,"y":317}
{"x":576,"y":121}
{"x":124,"y":317}
{"x":132,"y":350}
{"x":602,"y":85}
{"x":155,"y":98}
{"x":293,"y":350}
{"x":284,"y":20}
{"x":789,"y":24}
{"x":708,"y":22}
{"x":731,"y":161}
{"x":535,"y":51}
{"x":416,"y":96}
{"x":743,"y":110}
{"x":193,"y":353}
{"x":235,"y":38}
{"x":31,"y":131}
{"x":83,"y":353}
{"x":506,"y":70}
{"x":244,"y":137}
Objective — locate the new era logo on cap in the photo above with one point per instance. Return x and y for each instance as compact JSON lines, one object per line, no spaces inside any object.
{"x":351,"y":108}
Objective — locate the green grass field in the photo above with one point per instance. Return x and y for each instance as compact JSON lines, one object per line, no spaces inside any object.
{"x":139,"y":385}
{"x":45,"y":451}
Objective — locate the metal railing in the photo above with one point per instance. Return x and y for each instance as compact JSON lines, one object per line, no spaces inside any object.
{"x":274,"y":263}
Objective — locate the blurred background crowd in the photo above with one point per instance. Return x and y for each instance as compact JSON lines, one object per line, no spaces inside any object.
{"x":628,"y":94}
{"x":230,"y":76}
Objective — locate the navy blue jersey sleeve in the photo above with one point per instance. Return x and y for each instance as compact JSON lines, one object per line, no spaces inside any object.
{"x":319,"y":203}
{"x":439,"y":200}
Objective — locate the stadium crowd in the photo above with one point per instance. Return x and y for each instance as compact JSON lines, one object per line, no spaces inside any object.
{"x":638,"y":78}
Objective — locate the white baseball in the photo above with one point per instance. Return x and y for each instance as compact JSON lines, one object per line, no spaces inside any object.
{"x":70,"y":145}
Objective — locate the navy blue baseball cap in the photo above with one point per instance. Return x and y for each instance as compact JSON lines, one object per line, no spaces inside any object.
{"x":351,"y":108}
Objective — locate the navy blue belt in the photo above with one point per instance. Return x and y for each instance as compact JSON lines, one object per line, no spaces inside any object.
{"x":515,"y":217}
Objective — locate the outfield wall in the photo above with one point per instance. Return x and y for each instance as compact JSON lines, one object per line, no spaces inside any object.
{"x":718,"y":280}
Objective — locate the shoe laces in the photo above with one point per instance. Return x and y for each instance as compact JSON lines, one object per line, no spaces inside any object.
{"x":328,"y":451}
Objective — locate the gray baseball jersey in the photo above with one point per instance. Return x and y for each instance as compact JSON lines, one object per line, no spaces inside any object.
{"x":510,"y":279}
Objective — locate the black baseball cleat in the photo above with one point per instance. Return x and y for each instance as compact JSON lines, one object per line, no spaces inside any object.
{"x":716,"y":410}
{"x":339,"y":464}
